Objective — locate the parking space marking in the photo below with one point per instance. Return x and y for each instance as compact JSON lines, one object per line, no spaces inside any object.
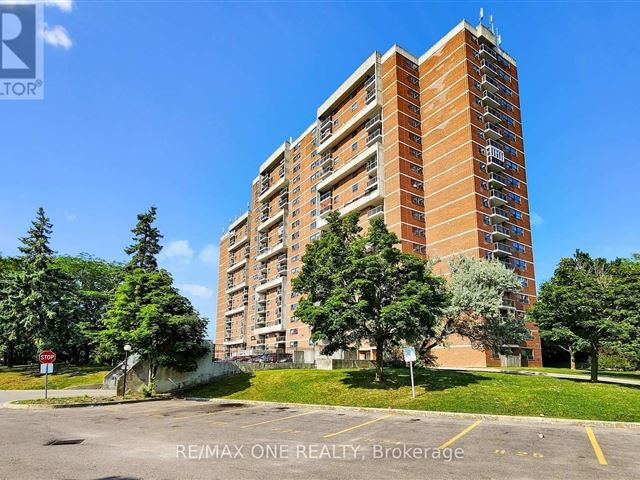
{"x":203,"y":414}
{"x":358,"y":426}
{"x":451,"y":441}
{"x":277,"y":419}
{"x":596,"y":446}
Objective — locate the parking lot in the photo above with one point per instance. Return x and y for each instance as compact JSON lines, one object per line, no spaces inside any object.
{"x":233,"y":439}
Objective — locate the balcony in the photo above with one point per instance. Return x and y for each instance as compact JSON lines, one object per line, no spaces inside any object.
{"x":373,"y":122}
{"x":372,"y":183}
{"x":235,"y":288}
{"x":272,"y":189}
{"x":281,"y":339}
{"x":508,"y":304}
{"x":367,"y":199}
{"x":237,"y":265}
{"x":375,"y":212}
{"x":497,"y":198}
{"x":370,"y":96}
{"x":495,"y":159}
{"x":238,"y":242}
{"x":498,"y":215}
{"x":326,"y":205}
{"x":489,"y":84}
{"x":486,"y":52}
{"x":267,"y":253}
{"x":488,"y":67}
{"x":234,"y":341}
{"x":492,"y":132}
{"x":374,"y":137}
{"x":269,"y":284}
{"x":270,"y":327}
{"x":490,"y":99}
{"x":491,"y":115}
{"x":497,"y":181}
{"x":350,"y":166}
{"x":370,"y":109}
{"x":500,"y":232}
{"x":278,"y":217}
{"x":370,"y":82}
{"x":501,"y":249}
{"x":234,"y":311}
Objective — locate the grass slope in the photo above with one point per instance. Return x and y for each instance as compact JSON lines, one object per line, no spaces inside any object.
{"x":450,"y":391}
{"x":568,"y":371}
{"x":29,"y":378}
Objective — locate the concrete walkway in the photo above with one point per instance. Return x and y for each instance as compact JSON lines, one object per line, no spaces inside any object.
{"x":584,"y":378}
{"x":10,"y":395}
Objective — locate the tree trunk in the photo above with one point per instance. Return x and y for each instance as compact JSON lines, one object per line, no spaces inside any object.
{"x":379,"y":360}
{"x":594,"y":363}
{"x":572,"y":358}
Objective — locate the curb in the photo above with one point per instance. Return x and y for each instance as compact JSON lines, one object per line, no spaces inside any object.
{"x":18,"y":406}
{"x":430,"y":413}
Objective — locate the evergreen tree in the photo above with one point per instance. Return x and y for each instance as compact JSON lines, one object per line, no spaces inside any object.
{"x":146,"y":243}
{"x":149,"y":313}
{"x":37,"y":308}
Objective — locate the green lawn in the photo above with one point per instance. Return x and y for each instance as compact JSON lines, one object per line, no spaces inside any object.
{"x":29,"y":378}
{"x":568,"y":371}
{"x":437,"y":390}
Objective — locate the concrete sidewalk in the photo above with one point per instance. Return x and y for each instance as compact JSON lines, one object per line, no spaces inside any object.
{"x":11,"y":395}
{"x":585,"y":378}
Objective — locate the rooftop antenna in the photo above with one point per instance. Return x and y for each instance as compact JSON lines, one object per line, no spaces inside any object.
{"x":481,"y":14}
{"x":499,"y":39}
{"x":491,"y":22}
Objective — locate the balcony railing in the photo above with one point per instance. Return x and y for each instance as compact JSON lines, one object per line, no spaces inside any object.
{"x":492,"y":132}
{"x":489,"y":84}
{"x":372,"y":121}
{"x":487,"y":52}
{"x":371,"y":95}
{"x":490,"y":99}
{"x":370,"y":81}
{"x":497,"y":180}
{"x":497,"y":198}
{"x":501,"y":249}
{"x":500,"y":232}
{"x":491,"y":115}
{"x":372,"y":137}
{"x":487,"y":66}
{"x":375,"y":211}
{"x":499,"y":215}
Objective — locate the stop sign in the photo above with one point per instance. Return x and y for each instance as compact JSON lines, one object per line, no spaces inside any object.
{"x":47,"y":357}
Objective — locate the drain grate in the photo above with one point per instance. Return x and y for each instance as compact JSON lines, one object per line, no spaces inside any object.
{"x":72,"y":441}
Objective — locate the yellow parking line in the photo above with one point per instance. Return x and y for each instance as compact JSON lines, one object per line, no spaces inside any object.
{"x":215,"y":413}
{"x":277,"y":419}
{"x":460,"y":435}
{"x":358,"y":426}
{"x":596,"y":447}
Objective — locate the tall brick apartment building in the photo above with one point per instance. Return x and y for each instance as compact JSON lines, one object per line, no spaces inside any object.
{"x":433,"y":144}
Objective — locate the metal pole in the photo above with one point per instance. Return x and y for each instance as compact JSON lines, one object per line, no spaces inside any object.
{"x":46,"y":380}
{"x":413,"y":388}
{"x":124,"y":385}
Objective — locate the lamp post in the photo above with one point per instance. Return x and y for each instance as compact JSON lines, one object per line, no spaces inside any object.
{"x":127,"y":349}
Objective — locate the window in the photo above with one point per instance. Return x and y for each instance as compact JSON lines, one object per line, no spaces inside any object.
{"x":517,"y":230}
{"x":516,"y":214}
{"x":296,"y":190}
{"x":313,"y":224}
{"x":295,"y":201}
{"x":315,"y":236}
{"x":417,"y":184}
{"x":354,"y":106}
{"x":484,"y":184}
{"x":527,"y":353}
{"x":295,"y":246}
{"x":413,"y":94}
{"x":313,"y":213}
{"x":295,"y":213}
{"x":293,"y":344}
{"x":419,"y":248}
{"x":416,"y":168}
{"x":294,"y":306}
{"x":354,"y":187}
{"x":524,"y":299}
{"x":485,"y":203}
{"x":514,"y":182}
{"x":418,"y":232}
{"x":520,"y":264}
{"x":294,"y":271}
{"x":296,"y":179}
{"x":514,"y":198}
{"x":295,"y":235}
{"x":409,"y":64}
{"x":313,"y":201}
{"x":354,"y":146}
{"x":295,"y":258}
{"x":413,"y":108}
{"x":518,"y":247}
{"x":296,"y":168}
{"x":487,"y":238}
{"x":417,"y":200}
{"x":415,"y":138}
{"x":414,"y":123}
{"x":417,"y":215}
{"x":412,"y":79}
{"x":293,"y":331}
{"x":295,"y":224}
{"x":486,"y":220}
{"x":314,"y":188}
{"x":415,"y":153}
{"x":523,"y":281}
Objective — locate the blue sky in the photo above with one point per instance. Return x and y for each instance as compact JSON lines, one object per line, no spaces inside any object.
{"x":176,"y":104}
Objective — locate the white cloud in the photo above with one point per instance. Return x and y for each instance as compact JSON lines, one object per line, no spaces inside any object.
{"x":70,"y":217}
{"x":177,"y":249}
{"x":199,"y":291}
{"x":57,"y":36}
{"x":536,"y":219}
{"x":64,"y":5}
{"x":209,"y":254}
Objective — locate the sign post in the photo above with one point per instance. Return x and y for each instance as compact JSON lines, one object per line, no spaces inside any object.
{"x":410,"y":356}
{"x":46,"y":366}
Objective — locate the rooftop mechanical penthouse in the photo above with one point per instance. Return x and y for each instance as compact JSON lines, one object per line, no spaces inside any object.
{"x":433,"y":144}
